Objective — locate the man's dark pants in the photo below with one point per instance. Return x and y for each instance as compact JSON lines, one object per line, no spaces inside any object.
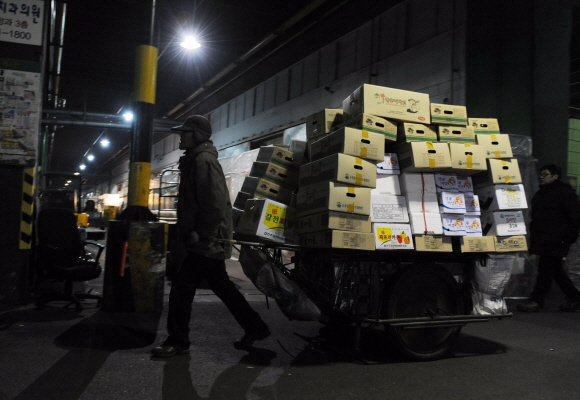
{"x":184,"y":283}
{"x":550,"y":268}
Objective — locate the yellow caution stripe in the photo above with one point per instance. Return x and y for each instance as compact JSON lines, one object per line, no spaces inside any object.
{"x":139,"y":177}
{"x":27,"y":208}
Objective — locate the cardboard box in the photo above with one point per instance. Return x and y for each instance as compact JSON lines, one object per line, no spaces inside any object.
{"x":502,"y":197}
{"x":260,"y":187}
{"x":338,"y":240}
{"x":331,"y":196}
{"x":385,"y":208}
{"x":269,"y":220}
{"x":417,"y":183}
{"x":433,"y":243}
{"x":280,"y":156}
{"x":424,"y":157}
{"x":392,"y":236}
{"x":349,"y":141}
{"x":241,"y":198}
{"x":448,"y":114}
{"x":453,"y":224}
{"x":484,"y":244}
{"x":451,"y":203}
{"x":484,"y":125}
{"x":285,"y":177}
{"x":467,"y":159}
{"x":464,"y":184}
{"x":456,"y":134}
{"x":495,"y":145}
{"x":472,"y":205}
{"x":498,"y":172}
{"x":510,"y":243}
{"x":425,"y":224}
{"x":385,"y":102}
{"x":297,"y":148}
{"x":389,"y":166}
{"x":422,"y":202}
{"x":446,"y":183}
{"x":412,"y":132}
{"x":237,"y":216}
{"x":333,"y":220}
{"x":472,"y":225}
{"x":375,"y":124}
{"x":322,"y":122}
{"x":387,"y":184}
{"x":339,"y":168}
{"x":503,"y":223}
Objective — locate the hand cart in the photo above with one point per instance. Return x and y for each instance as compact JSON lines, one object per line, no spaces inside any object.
{"x":421,"y":298}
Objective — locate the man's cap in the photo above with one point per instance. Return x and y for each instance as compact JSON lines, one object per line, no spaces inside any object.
{"x":194,"y":122}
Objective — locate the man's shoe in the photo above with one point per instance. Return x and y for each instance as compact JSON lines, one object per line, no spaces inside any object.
{"x":570,"y":306}
{"x":167,"y":350}
{"x":530,"y":306}
{"x":250,"y":338}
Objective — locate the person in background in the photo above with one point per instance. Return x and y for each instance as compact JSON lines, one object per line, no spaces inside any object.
{"x":204,"y":213}
{"x":554,"y":228}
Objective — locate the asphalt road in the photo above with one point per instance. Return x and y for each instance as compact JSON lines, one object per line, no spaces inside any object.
{"x":59,"y":354}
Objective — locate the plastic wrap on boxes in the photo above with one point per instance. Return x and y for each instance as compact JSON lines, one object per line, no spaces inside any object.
{"x":490,"y":277}
{"x":521,"y":145}
{"x":293,"y":302}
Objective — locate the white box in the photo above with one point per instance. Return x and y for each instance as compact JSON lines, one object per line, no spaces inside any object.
{"x":417,"y":182}
{"x":429,"y":224}
{"x":422,"y":202}
{"x":453,"y":224}
{"x":502,"y":197}
{"x":387,"y":184}
{"x":349,"y":141}
{"x":451,"y":203}
{"x":464,"y":184}
{"x":390,"y":165}
{"x":503,"y":223}
{"x":385,"y":102}
{"x":392,"y":236}
{"x":324,"y":196}
{"x":339,"y":168}
{"x":472,"y":226}
{"x":472,"y":206}
{"x":446,"y":183}
{"x":268,"y":219}
{"x":385,"y":208}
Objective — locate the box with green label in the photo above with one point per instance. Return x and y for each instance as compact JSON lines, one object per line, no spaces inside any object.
{"x":268,"y":219}
{"x":456,"y":134}
{"x":375,"y":124}
{"x":323,"y":122}
{"x":448,"y":114}
{"x":484,"y":125}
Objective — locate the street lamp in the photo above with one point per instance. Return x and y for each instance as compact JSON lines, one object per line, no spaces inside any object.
{"x":190,"y":42}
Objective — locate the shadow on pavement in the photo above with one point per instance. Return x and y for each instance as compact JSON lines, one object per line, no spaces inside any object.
{"x":90,"y":342}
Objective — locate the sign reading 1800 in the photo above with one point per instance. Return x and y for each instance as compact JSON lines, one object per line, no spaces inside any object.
{"x":21,"y":21}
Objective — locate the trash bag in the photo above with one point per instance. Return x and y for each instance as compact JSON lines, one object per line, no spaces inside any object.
{"x":271,"y":281}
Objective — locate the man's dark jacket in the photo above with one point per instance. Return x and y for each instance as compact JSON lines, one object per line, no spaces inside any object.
{"x":204,"y":202}
{"x":555,"y":219}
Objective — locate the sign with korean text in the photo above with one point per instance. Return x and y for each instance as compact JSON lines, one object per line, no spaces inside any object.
{"x":21,"y":21}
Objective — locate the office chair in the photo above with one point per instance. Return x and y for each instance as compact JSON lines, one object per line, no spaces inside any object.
{"x":62,"y":256}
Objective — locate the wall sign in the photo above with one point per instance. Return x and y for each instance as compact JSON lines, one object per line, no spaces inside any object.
{"x":21,"y":21}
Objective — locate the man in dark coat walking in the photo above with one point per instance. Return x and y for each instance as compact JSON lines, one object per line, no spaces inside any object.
{"x":555,"y":226}
{"x":204,"y":213}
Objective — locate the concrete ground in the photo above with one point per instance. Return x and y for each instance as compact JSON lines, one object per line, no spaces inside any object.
{"x":57,"y":353}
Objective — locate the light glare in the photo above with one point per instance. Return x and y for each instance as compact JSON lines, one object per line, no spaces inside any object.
{"x":90,"y":157}
{"x":105,"y":143}
{"x":82,"y":166}
{"x":128,"y":116}
{"x":190,"y":43}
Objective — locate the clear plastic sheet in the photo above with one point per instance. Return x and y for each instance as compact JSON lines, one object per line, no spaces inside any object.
{"x":572,"y":263}
{"x":270,"y":280}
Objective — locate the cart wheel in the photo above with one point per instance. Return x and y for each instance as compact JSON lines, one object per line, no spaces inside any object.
{"x":420,"y":291}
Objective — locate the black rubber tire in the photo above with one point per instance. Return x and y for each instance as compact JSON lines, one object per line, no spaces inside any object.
{"x":415,"y":290}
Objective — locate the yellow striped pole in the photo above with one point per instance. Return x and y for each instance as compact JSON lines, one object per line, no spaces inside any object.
{"x":27,"y":208}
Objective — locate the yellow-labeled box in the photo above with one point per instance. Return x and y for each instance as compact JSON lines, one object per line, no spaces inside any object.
{"x":393,"y":236}
{"x":498,"y":172}
{"x":339,"y":168}
{"x":467,"y":159}
{"x":402,"y":105}
{"x":332,"y":196}
{"x":375,"y":124}
{"x":269,"y":220}
{"x":276,"y":173}
{"x":495,"y":145}
{"x":423,"y":157}
{"x":349,"y":141}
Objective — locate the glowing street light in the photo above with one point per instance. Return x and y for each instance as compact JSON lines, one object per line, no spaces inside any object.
{"x":128,"y":116}
{"x":190,"y":43}
{"x":105,"y":142}
{"x":90,"y":157}
{"x":82,"y":167}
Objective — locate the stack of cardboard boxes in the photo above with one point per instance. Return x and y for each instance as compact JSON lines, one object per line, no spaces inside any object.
{"x":389,"y":171}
